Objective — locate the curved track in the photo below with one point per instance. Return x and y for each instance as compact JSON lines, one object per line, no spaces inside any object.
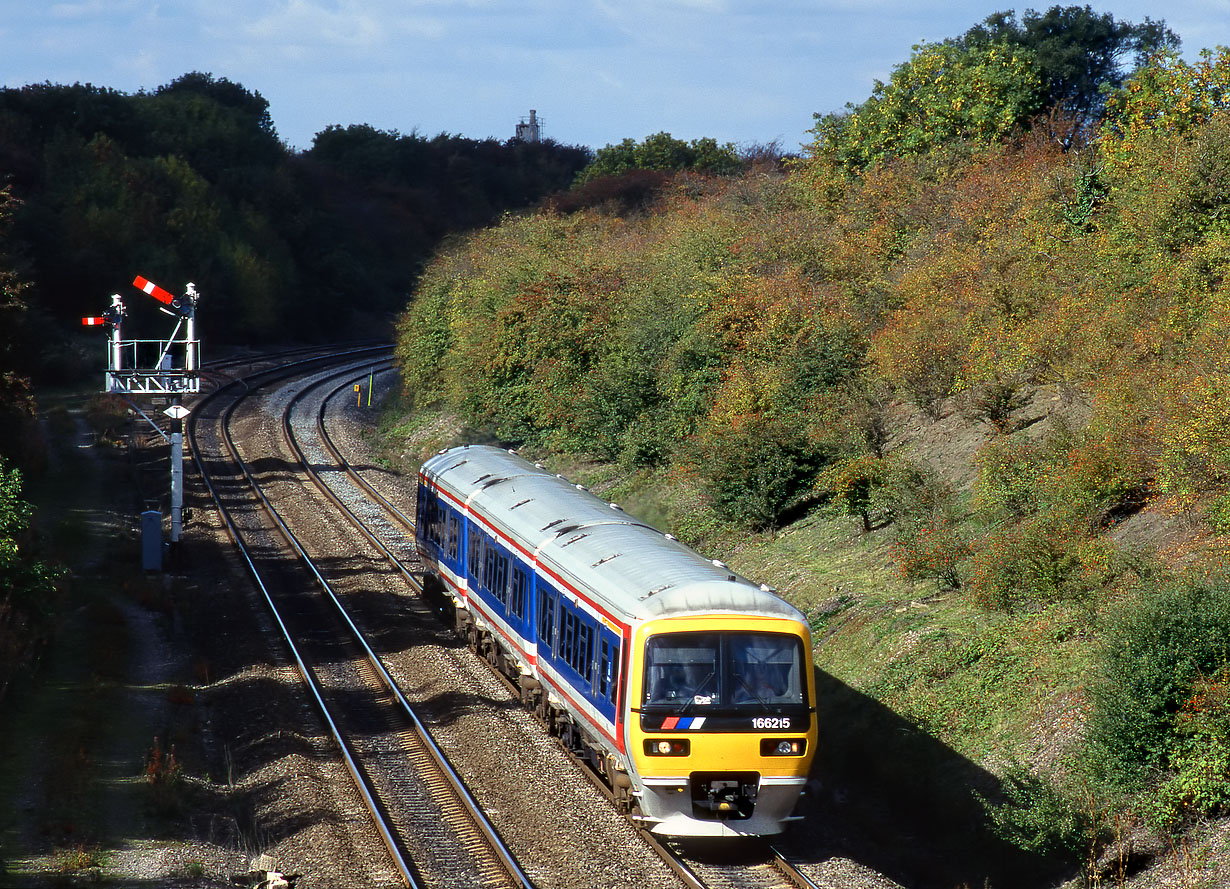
{"x":434,"y":832}
{"x":763,"y":868}
{"x":351,"y":674}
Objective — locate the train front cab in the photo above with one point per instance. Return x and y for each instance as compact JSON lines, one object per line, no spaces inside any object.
{"x":722,"y":728}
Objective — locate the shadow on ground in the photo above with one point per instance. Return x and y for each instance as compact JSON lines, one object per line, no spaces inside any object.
{"x":886,"y":794}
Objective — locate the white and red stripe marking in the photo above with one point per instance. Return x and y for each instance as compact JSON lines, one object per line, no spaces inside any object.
{"x":147,"y":286}
{"x":94,"y":321}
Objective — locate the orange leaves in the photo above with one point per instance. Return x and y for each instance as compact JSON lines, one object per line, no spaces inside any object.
{"x":922,"y":350}
{"x":781,"y":342}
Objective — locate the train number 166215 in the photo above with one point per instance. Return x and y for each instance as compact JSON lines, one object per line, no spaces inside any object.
{"x":763,"y":722}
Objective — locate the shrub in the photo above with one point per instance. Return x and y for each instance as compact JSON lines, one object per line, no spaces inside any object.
{"x":162,"y":768}
{"x":994,"y":401}
{"x":1195,"y":442}
{"x":854,"y":484}
{"x":933,"y":552}
{"x":878,"y":490}
{"x":1158,"y":652}
{"x":1015,"y":473}
{"x":1037,"y":816}
{"x":1199,"y":783}
{"x":661,"y":151}
{"x":621,"y":193}
{"x":920,"y":351}
{"x":754,"y":473}
{"x":1047,"y":558}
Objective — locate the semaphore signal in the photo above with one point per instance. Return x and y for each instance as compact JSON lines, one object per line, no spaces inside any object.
{"x":167,"y":367}
{"x":147,"y":286}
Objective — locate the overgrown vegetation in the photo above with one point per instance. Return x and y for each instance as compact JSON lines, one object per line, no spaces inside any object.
{"x":1022,"y":238}
{"x":988,"y":243}
{"x":661,"y":151}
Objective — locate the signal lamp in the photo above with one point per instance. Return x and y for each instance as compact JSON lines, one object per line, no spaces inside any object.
{"x":783,"y":746}
{"x":667,"y":746}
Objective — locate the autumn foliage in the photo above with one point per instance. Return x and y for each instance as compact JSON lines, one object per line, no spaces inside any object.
{"x":756,"y":333}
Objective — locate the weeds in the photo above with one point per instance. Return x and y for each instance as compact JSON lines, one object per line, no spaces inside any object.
{"x":164,"y":773}
{"x":81,"y":858}
{"x":162,"y":769}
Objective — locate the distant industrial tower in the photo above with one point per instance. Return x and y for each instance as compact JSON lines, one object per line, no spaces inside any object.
{"x":530,"y":130}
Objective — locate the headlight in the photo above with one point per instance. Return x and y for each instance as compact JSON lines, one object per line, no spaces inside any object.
{"x":667,"y":746}
{"x":783,"y":746}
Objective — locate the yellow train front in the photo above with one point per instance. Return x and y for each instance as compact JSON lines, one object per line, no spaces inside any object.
{"x":721,"y":729}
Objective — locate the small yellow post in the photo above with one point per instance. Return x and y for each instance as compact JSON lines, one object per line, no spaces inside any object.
{"x":358,"y":389}
{"x":371,"y":376}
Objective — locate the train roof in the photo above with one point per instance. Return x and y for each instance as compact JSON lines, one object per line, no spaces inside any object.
{"x":634,"y":569}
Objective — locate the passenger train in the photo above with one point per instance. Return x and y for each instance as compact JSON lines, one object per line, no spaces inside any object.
{"x":687,"y":687}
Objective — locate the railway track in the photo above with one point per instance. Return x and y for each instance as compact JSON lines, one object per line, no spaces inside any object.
{"x":433,"y":831}
{"x":379,"y":505}
{"x":764,"y":868}
{"x":751,"y":866}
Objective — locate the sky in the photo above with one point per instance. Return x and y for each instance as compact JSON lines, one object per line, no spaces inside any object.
{"x":751,"y":72}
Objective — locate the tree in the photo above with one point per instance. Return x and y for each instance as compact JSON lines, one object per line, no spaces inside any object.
{"x":756,"y":472}
{"x":18,"y":427}
{"x":662,"y":151}
{"x":1167,"y":97}
{"x":945,"y":93}
{"x":1079,"y":53}
{"x":23,"y":581}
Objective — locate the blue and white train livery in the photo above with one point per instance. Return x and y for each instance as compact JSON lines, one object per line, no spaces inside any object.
{"x":687,"y":687}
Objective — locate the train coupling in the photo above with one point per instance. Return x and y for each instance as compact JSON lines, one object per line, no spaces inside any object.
{"x":728,"y":795}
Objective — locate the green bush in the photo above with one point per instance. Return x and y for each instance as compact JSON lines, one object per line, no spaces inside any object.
{"x":753,"y":474}
{"x":1037,"y":816}
{"x":1198,"y":785}
{"x":1013,"y":472}
{"x":1199,"y":782}
{"x":1159,"y":649}
{"x":661,"y":151}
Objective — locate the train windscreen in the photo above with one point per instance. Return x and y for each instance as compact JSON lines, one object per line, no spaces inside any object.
{"x":723,"y":668}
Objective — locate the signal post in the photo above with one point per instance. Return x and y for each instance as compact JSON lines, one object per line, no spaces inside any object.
{"x":164,"y":367}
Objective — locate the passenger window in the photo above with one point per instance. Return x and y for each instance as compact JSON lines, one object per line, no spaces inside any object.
{"x":585,"y":651}
{"x":500,"y":578}
{"x":454,"y":536}
{"x":474,"y":553}
{"x":546,"y":617}
{"x":489,"y":557}
{"x":607,"y":666}
{"x":520,"y":583}
{"x":567,"y":622}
